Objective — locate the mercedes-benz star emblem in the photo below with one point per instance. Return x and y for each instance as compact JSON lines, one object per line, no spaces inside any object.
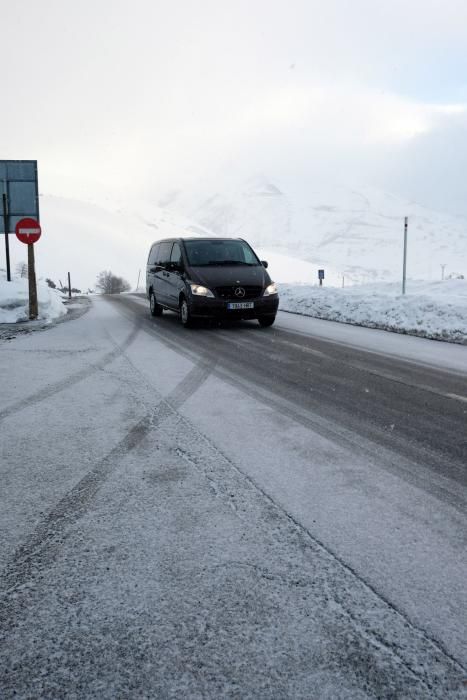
{"x":239,"y":292}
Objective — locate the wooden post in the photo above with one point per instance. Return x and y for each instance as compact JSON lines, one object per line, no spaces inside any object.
{"x":33,"y":309}
{"x":69,"y":286}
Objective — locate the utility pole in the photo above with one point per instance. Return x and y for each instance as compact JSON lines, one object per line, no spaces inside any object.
{"x":404,"y":266}
{"x":443,"y":265}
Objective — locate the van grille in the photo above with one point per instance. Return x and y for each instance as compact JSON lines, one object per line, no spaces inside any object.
{"x":251,"y":292}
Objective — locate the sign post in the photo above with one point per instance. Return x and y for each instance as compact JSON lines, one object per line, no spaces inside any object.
{"x":28,"y":231}
{"x":33,"y":306}
{"x":321,"y":277}
{"x":404,"y":265}
{"x":7,"y":242}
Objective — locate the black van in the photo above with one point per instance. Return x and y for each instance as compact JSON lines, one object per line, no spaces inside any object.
{"x":210,"y":278}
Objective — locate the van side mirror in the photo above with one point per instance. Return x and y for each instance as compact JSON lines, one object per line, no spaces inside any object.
{"x":264,"y":263}
{"x":175,"y":267}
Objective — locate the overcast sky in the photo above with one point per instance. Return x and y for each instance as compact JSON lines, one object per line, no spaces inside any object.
{"x":148,"y":95}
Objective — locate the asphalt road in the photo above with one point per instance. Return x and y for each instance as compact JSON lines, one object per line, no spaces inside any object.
{"x":228,"y":512}
{"x":417,"y":412}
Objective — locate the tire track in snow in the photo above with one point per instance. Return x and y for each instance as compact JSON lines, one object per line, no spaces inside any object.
{"x":55,"y":388}
{"x":42,"y":545}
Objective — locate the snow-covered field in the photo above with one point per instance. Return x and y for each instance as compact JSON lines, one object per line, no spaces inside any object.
{"x":14,"y":300}
{"x":435,"y":310}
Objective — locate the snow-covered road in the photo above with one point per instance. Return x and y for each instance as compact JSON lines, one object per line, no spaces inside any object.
{"x":201,"y":514}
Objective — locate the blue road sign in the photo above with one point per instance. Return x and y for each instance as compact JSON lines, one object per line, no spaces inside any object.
{"x":18,"y":181}
{"x":321,"y":274}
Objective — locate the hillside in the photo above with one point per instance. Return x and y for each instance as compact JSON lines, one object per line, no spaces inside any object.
{"x":350,"y":233}
{"x":85,"y":237}
{"x":358,"y":234}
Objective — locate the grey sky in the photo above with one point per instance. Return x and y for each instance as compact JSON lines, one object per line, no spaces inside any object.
{"x":150,"y":95}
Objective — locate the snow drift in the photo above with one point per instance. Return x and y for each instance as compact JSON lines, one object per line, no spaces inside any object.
{"x":434,"y":310}
{"x":14,"y":301}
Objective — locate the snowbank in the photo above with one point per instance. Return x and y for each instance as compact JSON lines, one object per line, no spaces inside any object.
{"x":14,"y":301}
{"x":435,"y":310}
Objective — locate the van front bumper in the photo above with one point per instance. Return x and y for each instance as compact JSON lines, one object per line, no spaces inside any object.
{"x":205,"y":307}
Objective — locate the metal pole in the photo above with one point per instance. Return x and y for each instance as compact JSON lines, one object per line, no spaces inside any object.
{"x":6,"y":224}
{"x":69,"y":286}
{"x":404,"y":268}
{"x":33,"y":310}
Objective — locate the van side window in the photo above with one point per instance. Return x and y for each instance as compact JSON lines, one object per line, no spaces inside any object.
{"x":153,"y":254}
{"x":164,"y":253}
{"x":176,"y":255}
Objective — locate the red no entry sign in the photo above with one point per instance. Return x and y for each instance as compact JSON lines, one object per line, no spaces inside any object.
{"x":28,"y":230}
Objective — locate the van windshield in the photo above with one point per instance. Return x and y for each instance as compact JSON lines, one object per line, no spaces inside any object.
{"x":219,"y":252}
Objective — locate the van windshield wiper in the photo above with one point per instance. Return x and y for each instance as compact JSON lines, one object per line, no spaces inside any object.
{"x":228,"y":262}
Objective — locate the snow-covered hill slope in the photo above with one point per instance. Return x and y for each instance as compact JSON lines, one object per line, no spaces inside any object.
{"x":298,"y":228}
{"x":358,"y":234}
{"x":85,"y":238}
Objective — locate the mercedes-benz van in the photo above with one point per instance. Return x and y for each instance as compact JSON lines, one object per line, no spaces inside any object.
{"x":210,"y":278}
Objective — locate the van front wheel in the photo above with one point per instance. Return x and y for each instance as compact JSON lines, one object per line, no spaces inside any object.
{"x":266,"y":321}
{"x":155,"y":308}
{"x":185,"y":314}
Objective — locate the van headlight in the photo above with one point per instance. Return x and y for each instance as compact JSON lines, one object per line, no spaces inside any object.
{"x":270,"y":289}
{"x":200,"y":291}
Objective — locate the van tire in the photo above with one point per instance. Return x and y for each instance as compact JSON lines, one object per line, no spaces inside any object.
{"x":154,"y":307}
{"x":265,"y":321}
{"x":185,"y":314}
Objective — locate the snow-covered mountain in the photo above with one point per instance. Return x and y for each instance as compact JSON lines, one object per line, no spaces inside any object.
{"x":356,"y":233}
{"x":353,"y":233}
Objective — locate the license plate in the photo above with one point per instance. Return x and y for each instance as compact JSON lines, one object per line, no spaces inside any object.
{"x":241,"y":305}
